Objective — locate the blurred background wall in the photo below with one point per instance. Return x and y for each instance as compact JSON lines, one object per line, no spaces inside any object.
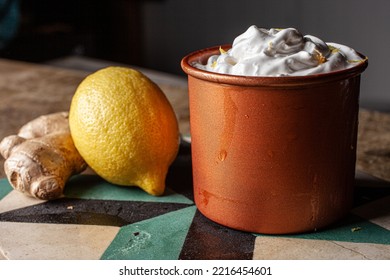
{"x":158,"y":33}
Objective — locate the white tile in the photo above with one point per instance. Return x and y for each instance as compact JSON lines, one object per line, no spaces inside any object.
{"x":2,"y":257}
{"x":15,"y":200}
{"x":54,"y":241}
{"x":280,"y":248}
{"x":368,"y":250}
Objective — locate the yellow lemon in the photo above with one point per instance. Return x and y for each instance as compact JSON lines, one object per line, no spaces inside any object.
{"x":124,"y":127}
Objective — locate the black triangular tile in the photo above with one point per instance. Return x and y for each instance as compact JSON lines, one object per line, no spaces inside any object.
{"x":207,"y":240}
{"x":90,"y":212}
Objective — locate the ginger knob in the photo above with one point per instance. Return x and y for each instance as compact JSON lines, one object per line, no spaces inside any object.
{"x":42,"y":157}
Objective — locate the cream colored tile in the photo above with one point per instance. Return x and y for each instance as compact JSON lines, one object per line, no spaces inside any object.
{"x":377,"y":212}
{"x":54,"y":241}
{"x":2,"y":257}
{"x":276,"y":248}
{"x":15,"y":200}
{"x":368,"y":250}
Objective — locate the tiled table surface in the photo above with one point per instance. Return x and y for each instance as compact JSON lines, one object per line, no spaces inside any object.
{"x":96,"y":220}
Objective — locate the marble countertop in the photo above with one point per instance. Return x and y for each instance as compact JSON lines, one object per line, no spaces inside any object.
{"x":96,"y":220}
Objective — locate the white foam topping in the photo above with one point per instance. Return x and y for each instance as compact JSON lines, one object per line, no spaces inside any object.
{"x":280,"y":52}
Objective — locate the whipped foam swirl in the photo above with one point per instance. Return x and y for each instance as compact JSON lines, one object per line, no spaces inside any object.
{"x":280,"y":52}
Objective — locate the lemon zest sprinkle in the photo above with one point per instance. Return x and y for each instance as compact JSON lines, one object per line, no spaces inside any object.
{"x":221,"y":50}
{"x":333,"y":49}
{"x":319,"y":56}
{"x":357,"y":60}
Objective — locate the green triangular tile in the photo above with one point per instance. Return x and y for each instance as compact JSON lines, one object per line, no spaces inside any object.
{"x":158,"y":238}
{"x":93,"y":187}
{"x":5,"y":188}
{"x":354,"y":229}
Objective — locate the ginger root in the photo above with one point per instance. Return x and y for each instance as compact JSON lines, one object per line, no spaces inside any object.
{"x":42,"y":157}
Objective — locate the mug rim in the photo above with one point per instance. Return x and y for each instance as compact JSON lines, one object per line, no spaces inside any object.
{"x":201,"y":56}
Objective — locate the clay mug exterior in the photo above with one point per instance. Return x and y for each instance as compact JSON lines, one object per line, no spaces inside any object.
{"x":273,"y":155}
